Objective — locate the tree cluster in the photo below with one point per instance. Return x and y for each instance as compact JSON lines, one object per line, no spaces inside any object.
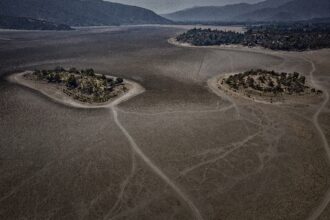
{"x":270,"y":82}
{"x":85,"y":85}
{"x":288,"y":37}
{"x":208,"y":37}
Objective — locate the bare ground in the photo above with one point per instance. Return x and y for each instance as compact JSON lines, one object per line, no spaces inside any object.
{"x":176,"y":151}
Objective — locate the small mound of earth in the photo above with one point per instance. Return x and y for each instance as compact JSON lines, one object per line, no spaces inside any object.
{"x":269,"y":86}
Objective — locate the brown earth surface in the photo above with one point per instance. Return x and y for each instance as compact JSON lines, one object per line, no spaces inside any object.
{"x":180,"y":150}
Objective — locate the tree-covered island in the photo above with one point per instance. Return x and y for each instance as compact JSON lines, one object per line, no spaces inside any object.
{"x":264,"y":83}
{"x":287,"y":37}
{"x":85,"y":86}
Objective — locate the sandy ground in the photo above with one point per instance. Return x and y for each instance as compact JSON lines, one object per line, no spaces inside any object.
{"x":176,"y":151}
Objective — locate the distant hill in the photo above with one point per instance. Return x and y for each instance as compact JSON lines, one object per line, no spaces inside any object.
{"x":19,"y":23}
{"x":221,"y":13}
{"x":80,"y":12}
{"x":320,"y":20}
{"x":296,"y":10}
{"x":270,"y":10}
{"x":209,"y":13}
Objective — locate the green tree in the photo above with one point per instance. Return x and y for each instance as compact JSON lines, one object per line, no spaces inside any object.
{"x":73,"y":70}
{"x":72,"y":82}
{"x":302,"y":80}
{"x":57,"y":78}
{"x":50,"y":77}
{"x":90,"y":72}
{"x":119,"y":80}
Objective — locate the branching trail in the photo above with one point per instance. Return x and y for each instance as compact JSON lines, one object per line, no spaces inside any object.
{"x":123,"y":187}
{"x":154,"y":168}
{"x":235,"y":147}
{"x":326,"y":200}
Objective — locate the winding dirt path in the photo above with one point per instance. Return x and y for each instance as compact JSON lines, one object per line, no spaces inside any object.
{"x":137,"y":89}
{"x":326,"y":200}
{"x":123,"y":187}
{"x":154,"y":168}
{"x":235,"y":146}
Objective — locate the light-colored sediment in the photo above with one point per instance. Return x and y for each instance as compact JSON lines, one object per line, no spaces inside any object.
{"x":179,"y":126}
{"x":134,"y":89}
{"x":195,"y":211}
{"x":326,"y":199}
{"x":53,"y":92}
{"x":231,"y":47}
{"x":216,"y":87}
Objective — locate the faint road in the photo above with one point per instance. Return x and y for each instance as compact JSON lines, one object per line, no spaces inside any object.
{"x":160,"y":173}
{"x":326,"y":200}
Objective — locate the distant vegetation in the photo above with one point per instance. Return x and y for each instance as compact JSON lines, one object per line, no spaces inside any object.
{"x":269,"y":82}
{"x":84,"y":85}
{"x":208,"y":37}
{"x":19,"y":23}
{"x":289,"y":37}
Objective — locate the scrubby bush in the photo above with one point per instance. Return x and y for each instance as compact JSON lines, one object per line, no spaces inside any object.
{"x":119,"y":80}
{"x":72,"y":82}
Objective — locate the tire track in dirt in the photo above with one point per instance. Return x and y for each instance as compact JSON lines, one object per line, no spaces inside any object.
{"x":154,"y":168}
{"x":326,"y":200}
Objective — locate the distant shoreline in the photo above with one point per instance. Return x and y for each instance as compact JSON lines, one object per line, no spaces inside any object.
{"x":53,"y":92}
{"x":238,"y":47}
{"x":173,"y":41}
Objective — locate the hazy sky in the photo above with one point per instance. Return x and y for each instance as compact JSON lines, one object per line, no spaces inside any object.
{"x":165,"y":6}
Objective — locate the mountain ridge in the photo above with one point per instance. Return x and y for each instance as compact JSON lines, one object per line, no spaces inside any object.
{"x":80,"y":12}
{"x":269,"y":10}
{"x":295,"y":10}
{"x":21,"y":23}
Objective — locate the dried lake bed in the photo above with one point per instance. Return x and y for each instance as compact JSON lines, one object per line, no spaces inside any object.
{"x":179,"y":150}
